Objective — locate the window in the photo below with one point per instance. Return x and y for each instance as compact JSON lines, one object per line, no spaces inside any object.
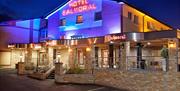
{"x":43,"y":33}
{"x":79,"y":19}
{"x":148,"y":25}
{"x":62,"y":22}
{"x":44,"y":23}
{"x":129,"y":15}
{"x":98,"y":16}
{"x":136,"y":19}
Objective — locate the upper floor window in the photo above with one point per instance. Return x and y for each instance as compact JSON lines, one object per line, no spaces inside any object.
{"x":43,"y":33}
{"x":129,"y":15}
{"x":98,"y":16}
{"x":44,"y":23}
{"x":136,"y":19}
{"x":63,"y":22}
{"x":79,"y":19}
{"x":148,"y":25}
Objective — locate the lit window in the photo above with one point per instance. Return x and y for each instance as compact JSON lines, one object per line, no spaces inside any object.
{"x":62,"y":22}
{"x":129,"y":15}
{"x":148,"y":25}
{"x":98,"y":16}
{"x":79,"y":19}
{"x":136,"y":19}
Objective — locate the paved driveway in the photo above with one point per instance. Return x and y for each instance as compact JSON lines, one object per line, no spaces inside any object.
{"x":9,"y":81}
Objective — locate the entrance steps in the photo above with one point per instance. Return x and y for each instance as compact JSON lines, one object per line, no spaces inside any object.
{"x":50,"y":73}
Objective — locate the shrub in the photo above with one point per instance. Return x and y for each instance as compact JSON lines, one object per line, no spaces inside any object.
{"x":75,"y":71}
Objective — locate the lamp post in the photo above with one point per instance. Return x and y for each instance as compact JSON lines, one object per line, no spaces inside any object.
{"x":59,"y":56}
{"x":21,"y":58}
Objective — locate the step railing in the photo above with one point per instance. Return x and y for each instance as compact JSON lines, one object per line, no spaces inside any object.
{"x":147,"y":63}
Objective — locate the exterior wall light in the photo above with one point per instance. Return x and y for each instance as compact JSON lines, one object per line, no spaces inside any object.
{"x":31,"y":45}
{"x":11,"y":46}
{"x":37,"y":46}
{"x":70,"y":50}
{"x":111,"y":42}
{"x":171,"y":44}
{"x":26,"y":52}
{"x":59,"y":56}
{"x":88,"y":49}
{"x":21,"y":57}
{"x":149,"y":43}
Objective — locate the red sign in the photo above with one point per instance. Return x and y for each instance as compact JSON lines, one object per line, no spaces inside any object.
{"x":78,"y":6}
{"x":114,"y":37}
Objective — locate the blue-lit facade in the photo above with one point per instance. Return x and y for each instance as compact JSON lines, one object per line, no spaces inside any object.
{"x":19,"y":33}
{"x":108,"y":10}
{"x":23,"y":31}
{"x":82,"y":32}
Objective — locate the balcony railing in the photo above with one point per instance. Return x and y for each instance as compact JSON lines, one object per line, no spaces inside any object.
{"x":147,"y":63}
{"x":144,"y":63}
{"x":104,"y":62}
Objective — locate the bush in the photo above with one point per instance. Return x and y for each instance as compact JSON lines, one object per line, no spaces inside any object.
{"x":75,"y":71}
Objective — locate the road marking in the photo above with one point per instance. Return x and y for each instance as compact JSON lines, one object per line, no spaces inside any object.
{"x":96,"y":89}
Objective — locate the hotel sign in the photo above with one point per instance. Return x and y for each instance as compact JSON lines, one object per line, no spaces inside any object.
{"x":109,"y":38}
{"x":78,"y":6}
{"x":178,"y":34}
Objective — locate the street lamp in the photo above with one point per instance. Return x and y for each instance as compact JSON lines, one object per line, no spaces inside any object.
{"x":58,"y":56}
{"x":21,"y":58}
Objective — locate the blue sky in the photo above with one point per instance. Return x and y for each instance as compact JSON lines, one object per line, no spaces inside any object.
{"x":167,"y":11}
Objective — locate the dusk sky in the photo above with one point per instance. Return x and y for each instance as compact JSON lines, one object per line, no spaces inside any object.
{"x":167,"y":11}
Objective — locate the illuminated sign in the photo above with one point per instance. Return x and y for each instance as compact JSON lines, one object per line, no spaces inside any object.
{"x":78,"y":6}
{"x":109,"y":38}
{"x":178,"y":34}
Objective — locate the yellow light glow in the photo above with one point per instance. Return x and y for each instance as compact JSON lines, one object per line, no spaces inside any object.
{"x":37,"y":46}
{"x":149,"y":43}
{"x":11,"y":46}
{"x":58,"y":56}
{"x":31,"y":45}
{"x":88,"y":49}
{"x":171,"y":45}
{"x":70,"y":50}
{"x":53,"y":43}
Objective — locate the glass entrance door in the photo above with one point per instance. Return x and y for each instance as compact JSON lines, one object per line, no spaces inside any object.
{"x":104,"y":55}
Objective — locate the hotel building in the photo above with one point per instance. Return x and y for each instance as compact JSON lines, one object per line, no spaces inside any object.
{"x":90,"y":33}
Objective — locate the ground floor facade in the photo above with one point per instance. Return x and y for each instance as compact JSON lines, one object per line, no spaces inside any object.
{"x":122,"y":51}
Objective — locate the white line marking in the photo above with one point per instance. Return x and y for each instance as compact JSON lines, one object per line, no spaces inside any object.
{"x":96,"y":89}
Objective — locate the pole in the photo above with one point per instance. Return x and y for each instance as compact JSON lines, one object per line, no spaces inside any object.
{"x":37,"y":61}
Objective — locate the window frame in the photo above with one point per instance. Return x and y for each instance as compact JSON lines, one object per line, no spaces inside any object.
{"x":98,"y":16}
{"x":130,"y":15}
{"x":62,"y":22}
{"x":77,"y":19}
{"x":136,"y":19}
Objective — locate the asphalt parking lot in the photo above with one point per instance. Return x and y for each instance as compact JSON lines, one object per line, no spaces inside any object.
{"x":9,"y":81}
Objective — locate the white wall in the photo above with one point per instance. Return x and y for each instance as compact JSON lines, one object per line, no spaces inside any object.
{"x":64,"y":57}
{"x":10,"y":34}
{"x":5,"y":58}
